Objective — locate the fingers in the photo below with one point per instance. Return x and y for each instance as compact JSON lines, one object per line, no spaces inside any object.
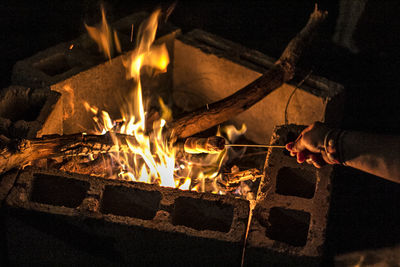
{"x":302,"y":156}
{"x":308,"y":145}
{"x":316,"y":160}
{"x":299,"y":144}
{"x":306,"y":156}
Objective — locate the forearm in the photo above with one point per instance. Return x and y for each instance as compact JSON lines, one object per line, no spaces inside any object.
{"x":375,"y":154}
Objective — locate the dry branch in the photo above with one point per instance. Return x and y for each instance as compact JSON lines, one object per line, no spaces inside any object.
{"x":17,"y":153}
{"x":282,"y":71}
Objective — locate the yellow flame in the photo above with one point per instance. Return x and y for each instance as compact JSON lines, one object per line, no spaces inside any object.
{"x":232,"y":133}
{"x":148,"y":157}
{"x":186,"y":184}
{"x":104,"y":36}
{"x":69,"y":109}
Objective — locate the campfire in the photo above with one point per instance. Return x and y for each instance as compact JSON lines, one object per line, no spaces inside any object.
{"x":128,"y":120}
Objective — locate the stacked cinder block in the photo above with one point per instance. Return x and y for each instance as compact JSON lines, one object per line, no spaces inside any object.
{"x":55,"y":217}
{"x":81,"y":73}
{"x":290,"y":217}
{"x":28,"y":113}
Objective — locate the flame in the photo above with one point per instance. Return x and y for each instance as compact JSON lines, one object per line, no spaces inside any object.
{"x":150,"y":157}
{"x":104,"y":36}
{"x":70,"y":106}
{"x":147,"y":157}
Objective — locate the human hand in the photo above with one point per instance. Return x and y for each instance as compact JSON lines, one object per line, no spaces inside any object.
{"x":309,"y":145}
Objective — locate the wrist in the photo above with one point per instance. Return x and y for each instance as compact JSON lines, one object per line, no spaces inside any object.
{"x":333,"y":146}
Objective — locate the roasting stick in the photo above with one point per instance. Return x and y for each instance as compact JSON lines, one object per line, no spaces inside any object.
{"x":214,"y":145}
{"x":244,"y":145}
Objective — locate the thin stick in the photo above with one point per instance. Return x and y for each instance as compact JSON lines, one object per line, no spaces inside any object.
{"x":244,"y":145}
{"x":132,"y":33}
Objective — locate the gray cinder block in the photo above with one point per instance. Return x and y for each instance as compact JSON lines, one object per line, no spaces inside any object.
{"x":290,"y":217}
{"x":51,"y":65}
{"x":29,"y":113}
{"x":138,"y":223}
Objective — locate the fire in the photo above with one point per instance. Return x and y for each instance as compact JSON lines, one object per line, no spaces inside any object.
{"x":148,"y":156}
{"x":104,"y":36}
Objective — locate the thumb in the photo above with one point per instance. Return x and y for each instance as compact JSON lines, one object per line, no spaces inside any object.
{"x":298,"y":145}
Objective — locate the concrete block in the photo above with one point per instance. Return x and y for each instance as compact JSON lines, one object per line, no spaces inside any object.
{"x":208,"y":68}
{"x":106,"y":86}
{"x":50,"y":66}
{"x":64,"y":60}
{"x":28,"y":113}
{"x":128,"y":222}
{"x":291,"y":213}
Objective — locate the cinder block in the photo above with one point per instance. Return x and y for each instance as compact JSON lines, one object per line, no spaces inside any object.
{"x":64,"y":60}
{"x":51,"y":65}
{"x":208,"y":68}
{"x":106,"y":84}
{"x":136,"y":223}
{"x":290,"y":217}
{"x":28,"y":113}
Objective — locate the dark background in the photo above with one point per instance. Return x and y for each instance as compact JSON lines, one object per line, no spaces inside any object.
{"x":365,"y":211}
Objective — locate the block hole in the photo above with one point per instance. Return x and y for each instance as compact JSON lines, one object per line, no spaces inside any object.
{"x":289,"y":226}
{"x":58,"y":191}
{"x":131,"y":202}
{"x":54,"y":65}
{"x":202,"y":214}
{"x":295,"y":182}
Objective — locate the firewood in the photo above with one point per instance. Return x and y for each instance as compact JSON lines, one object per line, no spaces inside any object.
{"x":17,"y":153}
{"x":282,"y":71}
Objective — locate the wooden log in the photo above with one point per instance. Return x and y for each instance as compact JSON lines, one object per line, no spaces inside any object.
{"x":17,"y":153}
{"x":20,"y":152}
{"x":282,"y":71}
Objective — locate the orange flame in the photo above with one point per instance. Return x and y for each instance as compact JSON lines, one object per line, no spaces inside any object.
{"x":104,"y":36}
{"x":150,"y":157}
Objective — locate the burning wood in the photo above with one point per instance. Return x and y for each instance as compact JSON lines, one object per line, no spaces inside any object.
{"x":16,"y":153}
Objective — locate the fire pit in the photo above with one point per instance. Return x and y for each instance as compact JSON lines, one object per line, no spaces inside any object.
{"x":82,"y":218}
